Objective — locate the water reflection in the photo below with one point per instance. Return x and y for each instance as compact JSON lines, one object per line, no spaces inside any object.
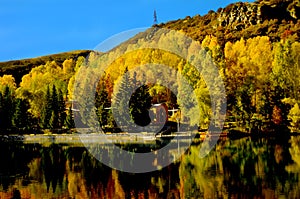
{"x":244,"y":168}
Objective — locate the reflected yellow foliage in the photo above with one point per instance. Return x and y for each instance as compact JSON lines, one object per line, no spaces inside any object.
{"x":295,"y":149}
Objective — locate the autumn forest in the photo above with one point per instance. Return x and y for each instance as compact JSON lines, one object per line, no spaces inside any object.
{"x":259,"y":66}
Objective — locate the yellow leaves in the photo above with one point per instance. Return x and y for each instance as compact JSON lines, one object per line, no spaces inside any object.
{"x":140,"y":58}
{"x":53,"y":69}
{"x":41,"y":76}
{"x":296,"y":49}
{"x":228,"y":50}
{"x":180,"y":66}
{"x":236,"y":50}
{"x":259,"y":49}
{"x":210,"y":41}
{"x":249,"y":58}
{"x":71,"y":87}
{"x":34,"y":84}
{"x":289,"y":101}
{"x":157,"y":90}
{"x":294,"y":116}
{"x":295,"y":151}
{"x":204,"y":102}
{"x":79,"y":63}
{"x":33,"y":81}
{"x":7,"y":80}
{"x":68,"y":67}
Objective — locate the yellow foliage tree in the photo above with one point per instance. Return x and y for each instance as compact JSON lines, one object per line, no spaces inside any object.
{"x":7,"y":80}
{"x":33,"y":85}
{"x":68,"y":67}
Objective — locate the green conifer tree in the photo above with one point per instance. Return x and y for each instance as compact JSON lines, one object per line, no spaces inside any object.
{"x":1,"y":112}
{"x":140,"y":103}
{"x":102,"y":103}
{"x":69,"y":122}
{"x":22,"y":118}
{"x":61,"y":109}
{"x":132,"y":108}
{"x":7,"y":108}
{"x":121,"y":100}
{"x":55,"y":109}
{"x":46,"y":110}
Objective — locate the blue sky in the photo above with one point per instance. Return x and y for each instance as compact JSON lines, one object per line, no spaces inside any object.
{"x":39,"y":27}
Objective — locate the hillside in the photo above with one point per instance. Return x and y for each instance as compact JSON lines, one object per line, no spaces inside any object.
{"x":256,"y":49}
{"x":274,"y":18}
{"x":19,"y":68}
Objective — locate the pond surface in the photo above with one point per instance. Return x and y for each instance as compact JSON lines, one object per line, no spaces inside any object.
{"x":242,"y":168}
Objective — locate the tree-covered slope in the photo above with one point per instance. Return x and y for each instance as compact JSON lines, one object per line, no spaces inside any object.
{"x":254,"y":46}
{"x":273,"y":18}
{"x":19,"y":68}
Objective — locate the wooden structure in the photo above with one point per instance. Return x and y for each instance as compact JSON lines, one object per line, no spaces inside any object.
{"x":159,"y":113}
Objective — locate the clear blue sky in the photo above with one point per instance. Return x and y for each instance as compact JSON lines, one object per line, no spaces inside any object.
{"x":30,"y":28}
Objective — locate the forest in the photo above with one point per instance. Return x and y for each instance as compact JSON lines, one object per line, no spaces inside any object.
{"x":258,"y":63}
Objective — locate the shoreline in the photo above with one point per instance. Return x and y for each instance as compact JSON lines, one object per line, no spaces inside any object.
{"x":143,"y":137}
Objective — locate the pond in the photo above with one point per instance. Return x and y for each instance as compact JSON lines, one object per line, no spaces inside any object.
{"x":241,"y":168}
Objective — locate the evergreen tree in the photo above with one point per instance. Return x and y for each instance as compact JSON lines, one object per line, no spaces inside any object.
{"x":46,"y":110}
{"x":55,"y":107}
{"x":53,"y":120}
{"x":121,"y":100}
{"x":69,"y":122}
{"x":21,"y":117}
{"x":102,"y":103}
{"x":7,"y":108}
{"x":1,"y":112}
{"x":132,"y":108}
{"x":61,"y":109}
{"x":140,"y":103}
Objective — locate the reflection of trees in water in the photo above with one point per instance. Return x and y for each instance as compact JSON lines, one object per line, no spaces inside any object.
{"x":295,"y":167}
{"x":74,"y":171}
{"x":295,"y":150}
{"x":244,"y":168}
{"x":241,"y":168}
{"x":14,"y":159}
{"x":158,"y":184}
{"x":53,"y":165}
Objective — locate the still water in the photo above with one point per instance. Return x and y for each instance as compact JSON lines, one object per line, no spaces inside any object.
{"x":241,"y":168}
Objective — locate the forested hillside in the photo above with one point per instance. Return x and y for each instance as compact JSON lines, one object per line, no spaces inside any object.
{"x":255,"y":47}
{"x":276,"y":19}
{"x":18,"y":68}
